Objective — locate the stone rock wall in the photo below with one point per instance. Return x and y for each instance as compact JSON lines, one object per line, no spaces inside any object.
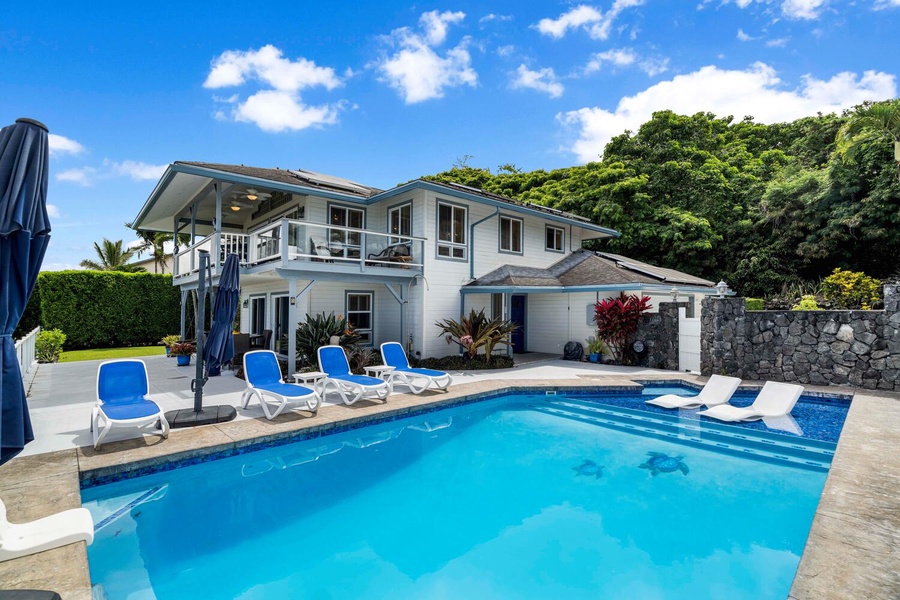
{"x":822,"y":347}
{"x":659,"y":333}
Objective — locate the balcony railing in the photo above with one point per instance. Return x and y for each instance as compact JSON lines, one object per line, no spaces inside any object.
{"x":309,"y":242}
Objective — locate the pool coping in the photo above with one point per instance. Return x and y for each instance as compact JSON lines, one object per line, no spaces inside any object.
{"x":852,"y":549}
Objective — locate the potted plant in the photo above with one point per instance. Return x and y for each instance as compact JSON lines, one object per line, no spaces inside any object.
{"x":594,"y":348}
{"x":168,"y":341}
{"x":183,"y":351}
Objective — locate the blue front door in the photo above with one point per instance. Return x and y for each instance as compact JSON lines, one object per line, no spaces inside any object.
{"x":517,"y":316}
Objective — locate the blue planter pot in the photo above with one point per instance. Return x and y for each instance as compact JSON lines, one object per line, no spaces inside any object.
{"x":168,"y":351}
{"x":594,"y":357}
{"x":183,"y":361}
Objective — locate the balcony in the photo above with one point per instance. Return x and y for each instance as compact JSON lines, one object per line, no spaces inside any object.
{"x":311,"y":247}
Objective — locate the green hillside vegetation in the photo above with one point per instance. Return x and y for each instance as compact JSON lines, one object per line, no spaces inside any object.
{"x":760,"y":206}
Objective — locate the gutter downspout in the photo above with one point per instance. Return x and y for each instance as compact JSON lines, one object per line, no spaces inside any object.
{"x":472,"y":241}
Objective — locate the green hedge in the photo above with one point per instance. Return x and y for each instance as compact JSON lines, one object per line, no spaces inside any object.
{"x":106,"y":309}
{"x":754,"y":304}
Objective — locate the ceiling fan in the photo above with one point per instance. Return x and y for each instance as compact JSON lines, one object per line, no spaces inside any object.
{"x":252,"y":195}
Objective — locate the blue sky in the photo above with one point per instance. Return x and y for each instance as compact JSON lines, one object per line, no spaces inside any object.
{"x":384,"y":92}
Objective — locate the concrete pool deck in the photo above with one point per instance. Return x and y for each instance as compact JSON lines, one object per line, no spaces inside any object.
{"x":853,"y":549}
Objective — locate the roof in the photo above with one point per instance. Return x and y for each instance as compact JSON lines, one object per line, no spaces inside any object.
{"x":584,"y":268}
{"x":309,"y":179}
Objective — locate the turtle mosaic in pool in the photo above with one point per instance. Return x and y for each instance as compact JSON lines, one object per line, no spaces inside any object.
{"x":522,"y":496}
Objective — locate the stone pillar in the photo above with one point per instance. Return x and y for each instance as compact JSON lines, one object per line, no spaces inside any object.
{"x":659,"y":334}
{"x":722,"y":336}
{"x":892,"y":298}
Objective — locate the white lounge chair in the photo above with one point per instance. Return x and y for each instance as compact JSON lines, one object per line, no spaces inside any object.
{"x":718,"y":390}
{"x":67,"y":527}
{"x":263,"y":376}
{"x":774,"y":400}
{"x":417,"y":380}
{"x":122,"y":390}
{"x":333,"y":362}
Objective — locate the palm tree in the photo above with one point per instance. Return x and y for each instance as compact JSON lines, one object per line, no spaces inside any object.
{"x":112,"y":257}
{"x":154,"y":242}
{"x":871,"y":122}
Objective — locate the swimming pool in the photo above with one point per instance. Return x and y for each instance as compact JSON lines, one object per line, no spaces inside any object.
{"x":522,"y":496}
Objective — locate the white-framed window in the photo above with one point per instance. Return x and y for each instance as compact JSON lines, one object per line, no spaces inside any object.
{"x":510,"y":235}
{"x":400,"y":221}
{"x":556,"y":239}
{"x":346,"y":242}
{"x":497,"y":306}
{"x":452,"y":221}
{"x":360,"y":311}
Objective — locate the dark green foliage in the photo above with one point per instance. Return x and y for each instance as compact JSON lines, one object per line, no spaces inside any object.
{"x":476,"y":331}
{"x":317,"y":331}
{"x":31,"y":318}
{"x":757,"y":205}
{"x":108,"y":309}
{"x":462,"y":363}
{"x":48,"y":345}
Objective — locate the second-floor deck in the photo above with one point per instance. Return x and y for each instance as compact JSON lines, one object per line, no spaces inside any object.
{"x":312,"y":247}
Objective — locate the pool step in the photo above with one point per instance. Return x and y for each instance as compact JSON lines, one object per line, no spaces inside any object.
{"x":809,"y":454}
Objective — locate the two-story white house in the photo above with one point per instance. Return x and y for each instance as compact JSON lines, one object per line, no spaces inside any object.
{"x":393,"y":261}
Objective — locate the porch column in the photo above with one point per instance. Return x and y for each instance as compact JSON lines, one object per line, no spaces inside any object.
{"x":507,"y":314}
{"x":184,"y":295}
{"x":404,"y":326}
{"x":292,"y":326}
{"x":217,"y":229}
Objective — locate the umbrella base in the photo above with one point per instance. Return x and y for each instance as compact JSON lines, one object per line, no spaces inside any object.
{"x":208,"y":415}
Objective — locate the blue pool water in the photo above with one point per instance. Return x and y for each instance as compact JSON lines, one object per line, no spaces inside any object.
{"x":524,"y":496}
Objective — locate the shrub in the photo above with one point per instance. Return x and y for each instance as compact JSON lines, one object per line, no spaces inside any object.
{"x":361,"y":357}
{"x":183,"y":349}
{"x":49,"y":345}
{"x":462,"y":363}
{"x":318,"y":330}
{"x":807,"y":302}
{"x":477,"y":331}
{"x":617,"y":321}
{"x":170,"y":340}
{"x":103,"y":309}
{"x":849,"y":289}
{"x":754,"y":304}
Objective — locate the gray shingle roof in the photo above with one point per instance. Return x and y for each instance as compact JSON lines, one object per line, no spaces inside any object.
{"x":293,"y":177}
{"x":585,"y":268}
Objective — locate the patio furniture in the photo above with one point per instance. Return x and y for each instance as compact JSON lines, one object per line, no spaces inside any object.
{"x":319,"y":248}
{"x":417,"y":380}
{"x":122,"y":390}
{"x":241,"y":347}
{"x":351,"y":388}
{"x":398,"y":254}
{"x":774,"y":400}
{"x":22,"y":539}
{"x":718,"y":390}
{"x":261,"y":340}
{"x":263,"y":376}
{"x":313,"y":378}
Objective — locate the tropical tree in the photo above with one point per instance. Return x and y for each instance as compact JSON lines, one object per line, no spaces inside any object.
{"x":154,"y":242}
{"x":871,"y":122}
{"x":112,"y":256}
{"x":477,"y":331}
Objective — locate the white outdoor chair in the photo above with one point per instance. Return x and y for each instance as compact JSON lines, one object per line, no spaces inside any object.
{"x":67,"y":527}
{"x":122,"y":390}
{"x":718,"y":390}
{"x":417,"y":380}
{"x":263,"y":377}
{"x":774,"y":400}
{"x":333,"y":362}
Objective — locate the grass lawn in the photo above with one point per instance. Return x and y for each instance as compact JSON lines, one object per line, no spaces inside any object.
{"x":110,"y":353}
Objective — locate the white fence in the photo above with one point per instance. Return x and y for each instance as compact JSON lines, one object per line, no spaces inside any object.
{"x":688,"y":342}
{"x":25,"y":351}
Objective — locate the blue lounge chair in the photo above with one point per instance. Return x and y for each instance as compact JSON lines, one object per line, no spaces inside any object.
{"x":417,"y":380}
{"x":122,"y":389}
{"x":263,"y":377}
{"x":333,"y":362}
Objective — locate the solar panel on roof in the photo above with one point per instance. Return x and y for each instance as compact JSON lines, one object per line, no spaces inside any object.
{"x":330,"y":180}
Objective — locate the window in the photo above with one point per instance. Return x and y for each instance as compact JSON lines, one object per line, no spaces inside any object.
{"x":556,"y":239}
{"x":359,"y":314}
{"x":497,"y":306}
{"x":257,"y":315}
{"x":400,"y":221}
{"x":511,"y":235}
{"x":346,"y":242}
{"x":452,"y":230}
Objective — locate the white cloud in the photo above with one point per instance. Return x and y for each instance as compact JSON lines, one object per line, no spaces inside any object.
{"x":543,"y":80}
{"x":802,"y":9}
{"x":493,"y":17}
{"x":83,"y":176}
{"x":743,"y":37}
{"x":883,"y":4}
{"x":778,"y":42}
{"x":626,"y":57}
{"x":416,"y":70}
{"x":135,"y":170}
{"x":53,"y":211}
{"x":506,"y":50}
{"x":281,"y":107}
{"x":755,"y":91}
{"x":62,"y":145}
{"x":596,"y":23}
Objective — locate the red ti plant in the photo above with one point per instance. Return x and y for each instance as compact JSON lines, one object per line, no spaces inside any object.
{"x":617,"y":321}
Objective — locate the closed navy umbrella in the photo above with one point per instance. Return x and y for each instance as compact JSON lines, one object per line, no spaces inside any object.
{"x":219,"y":347}
{"x":24,"y":237}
